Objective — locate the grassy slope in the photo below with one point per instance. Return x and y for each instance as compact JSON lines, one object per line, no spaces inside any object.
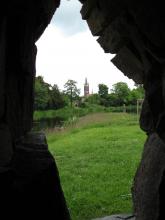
{"x":68,"y":112}
{"x":97,"y":163}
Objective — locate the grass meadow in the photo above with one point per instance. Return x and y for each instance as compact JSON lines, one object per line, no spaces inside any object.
{"x":97,"y":157}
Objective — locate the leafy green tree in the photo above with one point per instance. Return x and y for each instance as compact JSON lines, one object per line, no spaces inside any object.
{"x":135,"y":94}
{"x":103,"y":94}
{"x":93,"y":99}
{"x":122,"y":93}
{"x":112,"y":99}
{"x":140,"y":90}
{"x":56,"y":100}
{"x":72,"y":91}
{"x":41,"y":94}
{"x":103,"y":90}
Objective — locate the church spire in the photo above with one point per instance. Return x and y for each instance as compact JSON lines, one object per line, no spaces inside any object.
{"x":86,"y":82}
{"x":86,"y":88}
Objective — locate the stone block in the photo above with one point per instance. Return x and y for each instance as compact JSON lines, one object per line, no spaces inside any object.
{"x":87,"y":7}
{"x":129,"y":64}
{"x":36,"y":187}
{"x":146,"y":191}
{"x":96,"y":21}
{"x":111,"y":39}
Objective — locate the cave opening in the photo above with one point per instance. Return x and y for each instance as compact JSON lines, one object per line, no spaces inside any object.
{"x":134,"y":32}
{"x":68,"y":49}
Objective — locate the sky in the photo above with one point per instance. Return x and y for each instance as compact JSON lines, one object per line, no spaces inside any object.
{"x":67,"y":50}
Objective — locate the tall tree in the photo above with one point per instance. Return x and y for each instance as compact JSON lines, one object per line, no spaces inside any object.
{"x":122,"y":92}
{"x":71,"y":91}
{"x":135,"y":94}
{"x":41,"y":93}
{"x":56,"y":100}
{"x":103,"y":90}
{"x":103,"y":94}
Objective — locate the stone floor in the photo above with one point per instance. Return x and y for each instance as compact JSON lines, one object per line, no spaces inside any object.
{"x":117,"y":217}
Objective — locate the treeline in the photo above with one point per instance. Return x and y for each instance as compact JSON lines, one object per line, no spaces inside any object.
{"x":119,"y":95}
{"x":50,"y":97}
{"x":47,"y":96}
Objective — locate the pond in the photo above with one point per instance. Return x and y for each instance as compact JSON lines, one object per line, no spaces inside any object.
{"x":47,"y":123}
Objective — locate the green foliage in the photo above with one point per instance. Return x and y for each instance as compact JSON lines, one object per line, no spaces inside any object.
{"x":135,"y":94}
{"x":47,"y":96}
{"x":112,"y":99}
{"x":93,"y":99}
{"x":122,"y":95}
{"x":97,"y":163}
{"x":41,"y":94}
{"x":121,"y":91}
{"x":71,"y":90}
{"x":67,"y":112}
{"x":103,"y":91}
{"x":57,"y":99}
{"x":127,"y":109}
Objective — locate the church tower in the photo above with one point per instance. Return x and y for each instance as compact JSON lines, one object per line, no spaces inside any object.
{"x":86,"y":88}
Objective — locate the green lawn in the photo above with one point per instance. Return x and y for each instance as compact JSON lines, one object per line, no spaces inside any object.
{"x":97,"y":159}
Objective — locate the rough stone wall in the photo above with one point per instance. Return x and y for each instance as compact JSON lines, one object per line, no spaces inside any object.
{"x":29,"y":182}
{"x":134,"y":31}
{"x":21,"y":24}
{"x":25,"y":22}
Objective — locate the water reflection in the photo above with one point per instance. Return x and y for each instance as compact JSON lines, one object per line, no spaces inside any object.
{"x":47,"y":123}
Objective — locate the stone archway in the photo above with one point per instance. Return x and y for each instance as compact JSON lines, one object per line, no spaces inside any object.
{"x":134,"y":31}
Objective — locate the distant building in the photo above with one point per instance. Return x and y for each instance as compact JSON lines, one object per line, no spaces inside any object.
{"x":86,"y":88}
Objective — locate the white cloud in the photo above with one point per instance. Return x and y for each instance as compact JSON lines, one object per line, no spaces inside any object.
{"x":68,"y":18}
{"x":61,"y":58}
